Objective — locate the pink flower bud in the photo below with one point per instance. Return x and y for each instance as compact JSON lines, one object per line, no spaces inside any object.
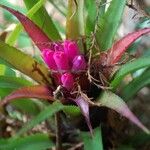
{"x":61,"y":61}
{"x":67,"y":81}
{"x":71,"y":49}
{"x":48,"y":58}
{"x":79,"y":63}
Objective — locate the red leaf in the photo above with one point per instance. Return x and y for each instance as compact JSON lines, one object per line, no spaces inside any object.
{"x":118,"y":49}
{"x":37,"y":91}
{"x":84,"y":107}
{"x":36,"y":34}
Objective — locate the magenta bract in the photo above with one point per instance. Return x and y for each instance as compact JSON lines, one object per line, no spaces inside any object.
{"x":67,"y":80}
{"x":48,"y":58}
{"x":79,"y":63}
{"x":66,"y":60}
{"x":61,"y":61}
{"x":71,"y":49}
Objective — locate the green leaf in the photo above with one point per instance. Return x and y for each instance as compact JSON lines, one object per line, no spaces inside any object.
{"x":24,"y":63}
{"x":32,"y":142}
{"x":13,"y":82}
{"x":90,"y":7}
{"x":2,"y":69}
{"x":42,"y":116}
{"x":134,"y":86}
{"x":93,"y":142}
{"x":43,"y":20}
{"x":11,"y":39}
{"x":108,"y":24}
{"x":113,"y":101}
{"x":75,"y":19}
{"x":129,"y":68}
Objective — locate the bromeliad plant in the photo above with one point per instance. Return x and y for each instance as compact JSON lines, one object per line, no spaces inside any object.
{"x":84,"y":69}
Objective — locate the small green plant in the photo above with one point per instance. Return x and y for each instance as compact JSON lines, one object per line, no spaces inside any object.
{"x":78,"y":75}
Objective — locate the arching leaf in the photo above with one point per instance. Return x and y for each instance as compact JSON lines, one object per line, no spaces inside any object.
{"x":37,"y":91}
{"x":129,"y":68}
{"x":24,"y":63}
{"x":36,"y":34}
{"x":118,"y":49}
{"x":112,"y":101}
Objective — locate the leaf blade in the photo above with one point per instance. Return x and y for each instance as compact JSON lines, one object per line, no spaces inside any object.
{"x":37,"y":141}
{"x":112,"y":101}
{"x":36,"y":34}
{"x":129,"y":68}
{"x":134,"y":86}
{"x":118,"y":49}
{"x":94,"y":142}
{"x":25,"y":63}
{"x":46,"y":24}
{"x":12,"y":37}
{"x":37,"y":91}
{"x":108,"y":24}
{"x":43,"y":115}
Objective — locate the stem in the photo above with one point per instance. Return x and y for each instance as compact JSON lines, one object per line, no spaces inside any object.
{"x":58,"y":131}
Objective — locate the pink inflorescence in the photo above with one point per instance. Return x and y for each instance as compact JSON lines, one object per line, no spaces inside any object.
{"x":66,"y":59}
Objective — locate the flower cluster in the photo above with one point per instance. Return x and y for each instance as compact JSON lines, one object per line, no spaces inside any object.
{"x":66,"y":59}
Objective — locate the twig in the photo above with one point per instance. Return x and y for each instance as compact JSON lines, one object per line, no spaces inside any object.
{"x":56,"y":94}
{"x":58,"y":131}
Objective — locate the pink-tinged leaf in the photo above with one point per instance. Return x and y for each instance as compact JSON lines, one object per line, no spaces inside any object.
{"x":37,"y":35}
{"x":84,"y":107}
{"x":118,"y":49}
{"x":112,"y":101}
{"x":37,"y":91}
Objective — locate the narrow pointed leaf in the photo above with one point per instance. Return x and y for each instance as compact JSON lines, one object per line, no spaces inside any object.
{"x":12,"y":37}
{"x":112,"y":101}
{"x":119,"y":48}
{"x":37,"y":91}
{"x":84,"y":107}
{"x":13,"y":82}
{"x":42,"y":116}
{"x":94,"y":142}
{"x":43,"y":20}
{"x":75,"y":21}
{"x":108,"y":24}
{"x":90,"y":7}
{"x":36,"y":34}
{"x":134,"y":86}
{"x":129,"y":68}
{"x":24,"y":63}
{"x":36,"y":141}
